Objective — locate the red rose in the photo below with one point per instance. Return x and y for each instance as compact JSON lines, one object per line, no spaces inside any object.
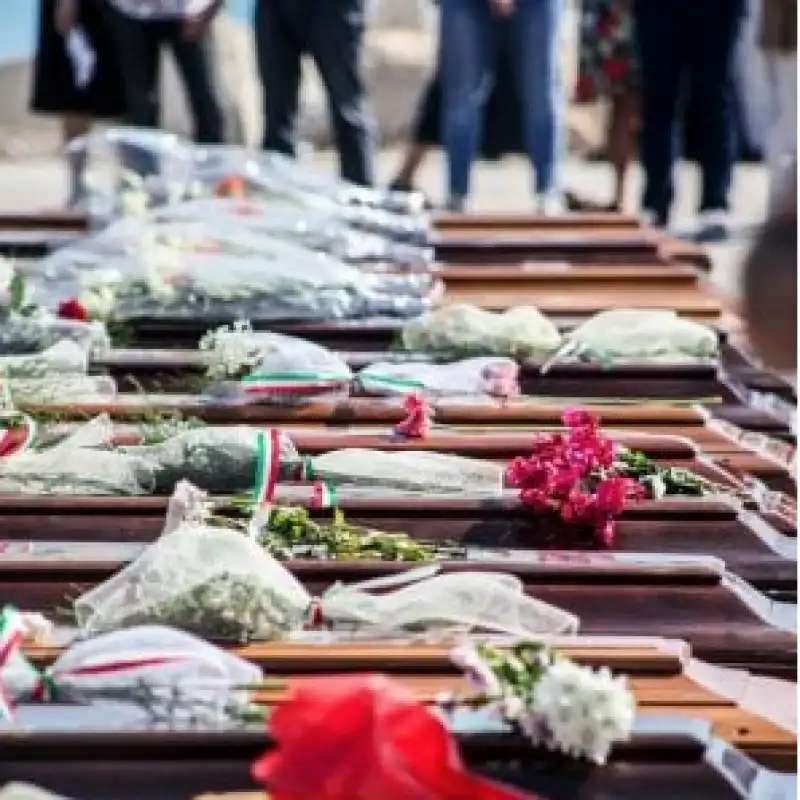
{"x":73,"y":309}
{"x":615,"y":69}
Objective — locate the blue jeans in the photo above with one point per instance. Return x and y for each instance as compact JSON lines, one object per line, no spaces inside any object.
{"x":468,"y":40}
{"x":687,"y":44}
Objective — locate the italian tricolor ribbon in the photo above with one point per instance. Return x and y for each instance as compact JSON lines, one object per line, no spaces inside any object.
{"x":284,"y":383}
{"x":268,"y":460}
{"x":15,"y":439}
{"x":378,"y":382}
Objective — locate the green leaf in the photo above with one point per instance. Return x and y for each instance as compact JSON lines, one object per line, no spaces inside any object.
{"x":17,"y":292}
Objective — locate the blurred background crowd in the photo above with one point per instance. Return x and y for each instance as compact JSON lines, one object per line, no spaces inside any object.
{"x":671,"y":74}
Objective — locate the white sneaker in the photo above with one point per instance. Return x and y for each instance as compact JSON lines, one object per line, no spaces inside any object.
{"x":713,"y":226}
{"x":551,"y":204}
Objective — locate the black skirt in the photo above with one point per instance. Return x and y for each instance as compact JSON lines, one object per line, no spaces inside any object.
{"x":54,"y":89}
{"x":502,"y":119}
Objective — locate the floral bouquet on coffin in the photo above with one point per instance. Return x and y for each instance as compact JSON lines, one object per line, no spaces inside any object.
{"x":373,"y":741}
{"x":248,"y":366}
{"x":587,"y":482}
{"x":639,"y":336}
{"x":313,"y":229}
{"x":472,"y":377}
{"x":177,"y":679}
{"x":523,"y":334}
{"x":553,"y":701}
{"x":219,"y":583}
{"x":27,"y":328}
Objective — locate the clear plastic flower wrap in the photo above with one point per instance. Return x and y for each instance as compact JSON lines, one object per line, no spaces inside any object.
{"x":285,"y":282}
{"x":78,"y":466}
{"x":313,"y":229}
{"x":64,"y":358}
{"x":416,"y":471}
{"x":219,"y":460}
{"x":168,"y":670}
{"x":480,"y":601}
{"x":132,"y":169}
{"x":216,"y":583}
{"x":60,"y":389}
{"x":23,"y":335}
{"x":246,"y":366}
{"x":496,"y":377}
{"x":220,"y":584}
{"x":643,"y":336}
{"x":410,"y":204}
{"x":460,"y":331}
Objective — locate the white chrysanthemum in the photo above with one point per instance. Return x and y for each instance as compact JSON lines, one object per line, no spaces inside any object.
{"x":229,"y":350}
{"x":584,"y":710}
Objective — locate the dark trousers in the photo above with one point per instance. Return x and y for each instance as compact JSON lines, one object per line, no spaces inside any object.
{"x":331,"y":32}
{"x":139,"y":44}
{"x":687,"y":44}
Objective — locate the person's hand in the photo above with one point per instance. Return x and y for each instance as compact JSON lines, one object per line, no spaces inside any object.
{"x":65,"y":16}
{"x":195,"y":25}
{"x":502,"y":8}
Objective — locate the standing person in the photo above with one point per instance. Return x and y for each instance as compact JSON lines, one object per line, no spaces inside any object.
{"x":608,"y":70}
{"x":778,"y":40}
{"x":59,"y":87}
{"x":502,"y":124}
{"x":469,"y":34}
{"x":694,"y":41}
{"x":142,"y":28}
{"x":332,"y":33}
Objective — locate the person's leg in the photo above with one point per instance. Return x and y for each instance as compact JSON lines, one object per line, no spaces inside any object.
{"x":335,"y":38}
{"x":74,"y":126}
{"x":535,"y":38}
{"x":138,"y":45}
{"x":466,"y":51}
{"x":660,"y":32}
{"x":622,"y":137}
{"x":426,"y":127}
{"x":195,"y":61}
{"x":712,"y":35}
{"x":278,"y":55}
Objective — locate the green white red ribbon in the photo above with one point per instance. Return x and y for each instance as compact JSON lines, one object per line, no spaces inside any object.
{"x":287,"y":383}
{"x":324,"y":495}
{"x":12,"y":634}
{"x":16,"y":439}
{"x":48,"y":684}
{"x":379,"y":382}
{"x":268,"y":462}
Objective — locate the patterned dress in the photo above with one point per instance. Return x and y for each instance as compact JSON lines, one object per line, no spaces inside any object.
{"x":607,"y":51}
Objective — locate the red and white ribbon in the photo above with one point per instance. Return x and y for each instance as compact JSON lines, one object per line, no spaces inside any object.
{"x":16,"y":439}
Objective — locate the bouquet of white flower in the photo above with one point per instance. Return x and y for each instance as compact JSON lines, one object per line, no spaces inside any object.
{"x":254,"y":366}
{"x":554,"y":702}
{"x":642,"y":337}
{"x":522,"y":333}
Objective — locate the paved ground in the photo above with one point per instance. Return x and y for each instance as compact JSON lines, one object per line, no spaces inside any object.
{"x":27,"y":185}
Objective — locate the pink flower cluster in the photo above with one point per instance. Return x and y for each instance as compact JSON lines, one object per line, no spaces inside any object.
{"x":573,"y":475}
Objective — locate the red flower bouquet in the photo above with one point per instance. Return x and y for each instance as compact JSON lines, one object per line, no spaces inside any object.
{"x":573,"y":475}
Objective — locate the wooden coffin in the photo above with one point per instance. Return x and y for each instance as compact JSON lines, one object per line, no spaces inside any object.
{"x":724,"y":621}
{"x":663,"y":678}
{"x":94,"y":536}
{"x":668,"y":756}
{"x":163,"y":369}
